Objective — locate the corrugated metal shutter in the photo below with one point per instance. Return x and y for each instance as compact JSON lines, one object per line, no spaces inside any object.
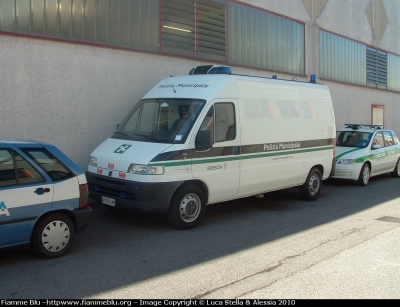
{"x":376,"y":68}
{"x":211,"y":37}
{"x":194,"y":28}
{"x":178,"y":27}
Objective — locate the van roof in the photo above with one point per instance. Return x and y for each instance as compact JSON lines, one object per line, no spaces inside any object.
{"x":210,"y":86}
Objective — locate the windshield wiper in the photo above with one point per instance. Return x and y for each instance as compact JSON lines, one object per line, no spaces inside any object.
{"x":138,"y":135}
{"x":122,"y":133}
{"x":147,"y":137}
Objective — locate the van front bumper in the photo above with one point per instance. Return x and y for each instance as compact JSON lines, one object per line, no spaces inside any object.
{"x":130,"y":195}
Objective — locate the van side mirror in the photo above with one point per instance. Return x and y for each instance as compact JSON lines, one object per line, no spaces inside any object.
{"x":203,"y":140}
{"x":376,"y":146}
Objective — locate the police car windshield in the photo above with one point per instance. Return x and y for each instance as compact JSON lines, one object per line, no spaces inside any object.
{"x":160,"y":120}
{"x":356,"y":139}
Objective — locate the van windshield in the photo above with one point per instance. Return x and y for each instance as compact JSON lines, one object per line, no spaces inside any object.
{"x":160,"y":120}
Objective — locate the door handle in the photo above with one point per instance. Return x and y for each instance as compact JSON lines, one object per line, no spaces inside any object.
{"x":41,"y":191}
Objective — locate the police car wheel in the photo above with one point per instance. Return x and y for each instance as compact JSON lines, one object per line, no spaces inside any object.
{"x":187,"y":207}
{"x":396,"y":172}
{"x":53,"y":235}
{"x":365,"y":173}
{"x":312,"y":186}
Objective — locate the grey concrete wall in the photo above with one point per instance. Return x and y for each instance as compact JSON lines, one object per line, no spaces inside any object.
{"x":73,"y":95}
{"x":373,"y":22}
{"x":353,"y":105}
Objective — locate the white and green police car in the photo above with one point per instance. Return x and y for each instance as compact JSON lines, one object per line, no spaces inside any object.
{"x":364,"y":151}
{"x":43,"y":198}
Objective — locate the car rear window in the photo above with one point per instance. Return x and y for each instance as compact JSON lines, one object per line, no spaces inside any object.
{"x":50,"y":164}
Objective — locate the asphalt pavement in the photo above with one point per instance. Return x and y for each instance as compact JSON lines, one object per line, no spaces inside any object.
{"x":345,"y":245}
{"x":370,"y":270}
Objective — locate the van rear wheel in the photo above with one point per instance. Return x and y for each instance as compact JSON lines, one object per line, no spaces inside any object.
{"x":187,"y":207}
{"x":312,"y":186}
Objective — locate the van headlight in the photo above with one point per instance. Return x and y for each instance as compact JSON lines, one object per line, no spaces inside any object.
{"x":145,"y":169}
{"x":346,"y":161}
{"x":93,"y":161}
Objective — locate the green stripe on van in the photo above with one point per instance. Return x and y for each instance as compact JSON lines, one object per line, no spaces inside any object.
{"x":240,"y":157}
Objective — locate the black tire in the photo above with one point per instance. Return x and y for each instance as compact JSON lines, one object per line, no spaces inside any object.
{"x":53,"y":235}
{"x":365,"y":175}
{"x":396,"y":172}
{"x":312,"y":186}
{"x":187,"y":207}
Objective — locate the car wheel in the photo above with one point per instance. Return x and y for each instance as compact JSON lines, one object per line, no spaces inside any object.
{"x":187,"y":207}
{"x":396,"y":172}
{"x":53,"y":235}
{"x":365,"y":173}
{"x":312,"y":186}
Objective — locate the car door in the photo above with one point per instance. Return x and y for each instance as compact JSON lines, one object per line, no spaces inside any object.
{"x":378,"y":154}
{"x":24,"y":196}
{"x":390,"y":151}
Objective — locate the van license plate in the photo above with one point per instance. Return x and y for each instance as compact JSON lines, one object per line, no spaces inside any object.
{"x":108,"y":201}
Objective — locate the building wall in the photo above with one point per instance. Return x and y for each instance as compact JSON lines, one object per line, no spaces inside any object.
{"x":73,"y":94}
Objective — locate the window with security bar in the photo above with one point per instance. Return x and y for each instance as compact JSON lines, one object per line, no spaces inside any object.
{"x":122,"y":23}
{"x":262,"y":39}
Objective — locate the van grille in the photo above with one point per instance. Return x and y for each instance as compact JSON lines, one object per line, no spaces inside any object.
{"x":102,"y":186}
{"x":110,"y":181}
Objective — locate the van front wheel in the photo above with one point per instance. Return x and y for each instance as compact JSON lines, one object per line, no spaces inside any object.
{"x":312,"y":186}
{"x":187,"y":207}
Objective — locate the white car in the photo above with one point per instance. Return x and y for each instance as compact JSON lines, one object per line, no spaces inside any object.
{"x":364,"y":151}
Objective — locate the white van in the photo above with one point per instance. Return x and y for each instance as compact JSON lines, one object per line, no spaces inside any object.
{"x":212,"y":136}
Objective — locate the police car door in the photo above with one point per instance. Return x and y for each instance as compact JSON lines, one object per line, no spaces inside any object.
{"x":218,"y":164}
{"x":24,"y":195}
{"x":379,"y":155}
{"x":390,"y":151}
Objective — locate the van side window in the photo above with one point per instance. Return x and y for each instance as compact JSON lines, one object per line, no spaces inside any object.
{"x":16,"y":170}
{"x":225,"y":126}
{"x":208,"y":122}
